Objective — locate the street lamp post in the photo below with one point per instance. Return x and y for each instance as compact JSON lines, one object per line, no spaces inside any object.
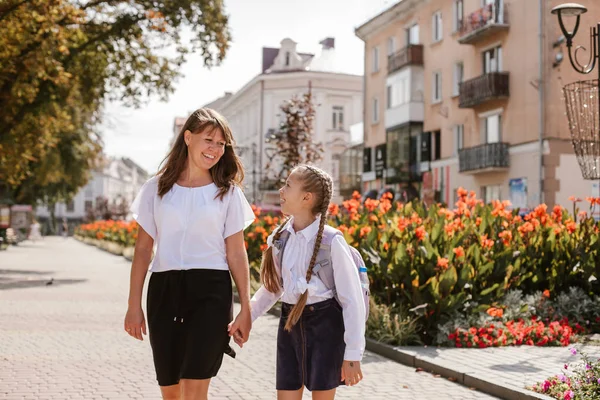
{"x":582,"y":98}
{"x":576,"y":10}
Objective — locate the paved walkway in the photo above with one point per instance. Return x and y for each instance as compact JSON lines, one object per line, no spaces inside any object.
{"x":65,"y":340}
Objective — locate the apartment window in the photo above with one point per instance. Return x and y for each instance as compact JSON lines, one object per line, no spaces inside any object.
{"x":436,"y":25}
{"x":71,"y":206}
{"x":458,"y":78}
{"x":492,"y":60}
{"x":375,"y":110}
{"x":391,"y":45}
{"x":412,"y":35}
{"x":389,"y":96}
{"x":459,"y":138}
{"x":89,"y":205}
{"x":491,"y":192}
{"x":375,"y":59}
{"x":436,"y":145}
{"x":287,"y":59}
{"x":458,"y":15}
{"x":338,"y":118}
{"x":398,"y":91}
{"x":436,"y":94}
{"x":492,"y":128}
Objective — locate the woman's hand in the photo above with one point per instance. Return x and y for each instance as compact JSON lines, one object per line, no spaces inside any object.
{"x":135,"y":323}
{"x":351,"y":373}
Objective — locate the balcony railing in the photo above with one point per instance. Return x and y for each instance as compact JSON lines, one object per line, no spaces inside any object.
{"x":484,"y":22}
{"x":410,"y":55}
{"x":486,"y":87}
{"x":485,"y":157}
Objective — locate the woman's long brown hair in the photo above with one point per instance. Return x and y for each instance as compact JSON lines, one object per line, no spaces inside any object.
{"x":227,"y":172}
{"x":318,"y":182}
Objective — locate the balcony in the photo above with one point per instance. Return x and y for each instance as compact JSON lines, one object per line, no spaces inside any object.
{"x":484,"y":88}
{"x":483,"y":23}
{"x":487,"y":157}
{"x":410,"y":55}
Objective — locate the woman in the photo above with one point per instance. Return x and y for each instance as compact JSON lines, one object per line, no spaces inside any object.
{"x":194,"y":212}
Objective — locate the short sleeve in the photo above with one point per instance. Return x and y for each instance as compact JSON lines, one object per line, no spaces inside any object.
{"x":239,"y":213}
{"x":142,"y":207}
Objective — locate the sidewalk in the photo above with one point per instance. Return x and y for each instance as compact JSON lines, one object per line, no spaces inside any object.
{"x":65,"y":339}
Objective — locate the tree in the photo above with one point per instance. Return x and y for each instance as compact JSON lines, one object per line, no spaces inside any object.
{"x":293,"y":143}
{"x":61,"y":59}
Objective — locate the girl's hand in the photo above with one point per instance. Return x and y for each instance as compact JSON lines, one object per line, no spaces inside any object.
{"x":351,"y":373}
{"x":135,"y":323}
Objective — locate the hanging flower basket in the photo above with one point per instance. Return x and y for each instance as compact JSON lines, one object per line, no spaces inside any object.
{"x":583,"y":112}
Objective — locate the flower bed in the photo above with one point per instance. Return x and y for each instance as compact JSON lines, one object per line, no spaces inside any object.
{"x":578,"y":381}
{"x":441,"y":262}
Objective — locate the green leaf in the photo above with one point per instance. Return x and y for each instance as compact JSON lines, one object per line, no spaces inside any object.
{"x":489,"y":290}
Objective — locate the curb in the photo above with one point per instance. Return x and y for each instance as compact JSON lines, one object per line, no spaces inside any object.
{"x":411,"y":359}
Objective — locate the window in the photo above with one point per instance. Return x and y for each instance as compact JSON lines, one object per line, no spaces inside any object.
{"x":436,"y":24}
{"x":89,"y":205}
{"x":436,"y":145}
{"x":459,"y":138}
{"x":458,"y":15}
{"x":492,"y":129}
{"x":375,"y":59}
{"x":458,"y":78}
{"x":391,"y":45}
{"x":491,"y":192}
{"x":338,"y":118}
{"x":412,"y":35}
{"x":71,"y":206}
{"x":287,"y":59}
{"x":436,"y":92}
{"x":398,"y":91}
{"x":389,"y":96}
{"x":375,"y":110}
{"x":492,"y":60}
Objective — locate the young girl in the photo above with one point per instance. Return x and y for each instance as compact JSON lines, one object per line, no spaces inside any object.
{"x":195,"y":214}
{"x":321,"y":335}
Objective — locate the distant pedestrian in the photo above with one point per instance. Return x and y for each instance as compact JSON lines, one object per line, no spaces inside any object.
{"x":65,"y":228}
{"x":35,"y":233}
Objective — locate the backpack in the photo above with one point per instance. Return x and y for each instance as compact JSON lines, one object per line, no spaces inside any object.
{"x":323,"y":266}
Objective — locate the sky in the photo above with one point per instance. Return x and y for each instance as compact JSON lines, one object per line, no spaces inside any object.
{"x":143,"y":134}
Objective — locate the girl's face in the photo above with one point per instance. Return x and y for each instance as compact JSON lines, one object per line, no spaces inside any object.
{"x":206,"y":148}
{"x":293,"y":198}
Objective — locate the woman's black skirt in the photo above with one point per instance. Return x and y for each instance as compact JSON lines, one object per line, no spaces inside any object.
{"x":188,"y":314}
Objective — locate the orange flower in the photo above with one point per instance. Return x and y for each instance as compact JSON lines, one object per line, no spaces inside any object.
{"x":420,"y":232}
{"x":571,"y":226}
{"x":478,"y":221}
{"x":506,"y":237}
{"x":546,"y":293}
{"x":371,"y":204}
{"x":385,"y":206}
{"x":593,"y":200}
{"x":574,"y":199}
{"x":373,"y":218}
{"x":459,"y":252}
{"x":402,"y":223}
{"x":334,"y":209}
{"x":263,"y":247}
{"x":486,"y":243}
{"x":495,"y":312}
{"x":443,"y":263}
{"x":351,"y":230}
{"x":386,"y":246}
{"x":356,"y":195}
{"x":365,"y":230}
{"x":461,"y":192}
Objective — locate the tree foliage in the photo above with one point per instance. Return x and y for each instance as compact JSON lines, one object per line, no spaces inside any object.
{"x":61,"y":59}
{"x":294,"y":142}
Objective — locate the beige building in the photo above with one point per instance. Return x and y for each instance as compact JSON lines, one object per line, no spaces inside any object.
{"x":467,"y":93}
{"x":254,"y":111}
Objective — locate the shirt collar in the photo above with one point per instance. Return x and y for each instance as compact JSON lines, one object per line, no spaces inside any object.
{"x":309,"y":232}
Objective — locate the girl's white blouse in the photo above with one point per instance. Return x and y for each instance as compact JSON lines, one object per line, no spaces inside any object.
{"x":189,"y":225}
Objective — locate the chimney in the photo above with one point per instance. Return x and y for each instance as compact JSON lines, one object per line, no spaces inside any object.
{"x":328,"y":43}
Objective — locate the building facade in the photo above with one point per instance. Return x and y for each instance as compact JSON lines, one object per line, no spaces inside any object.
{"x":117,"y":183}
{"x":254,"y":111}
{"x":467,"y":93}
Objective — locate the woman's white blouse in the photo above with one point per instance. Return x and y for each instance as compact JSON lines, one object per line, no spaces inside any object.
{"x":189,"y":225}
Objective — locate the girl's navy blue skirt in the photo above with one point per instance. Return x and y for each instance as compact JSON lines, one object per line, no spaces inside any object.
{"x":312,"y":353}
